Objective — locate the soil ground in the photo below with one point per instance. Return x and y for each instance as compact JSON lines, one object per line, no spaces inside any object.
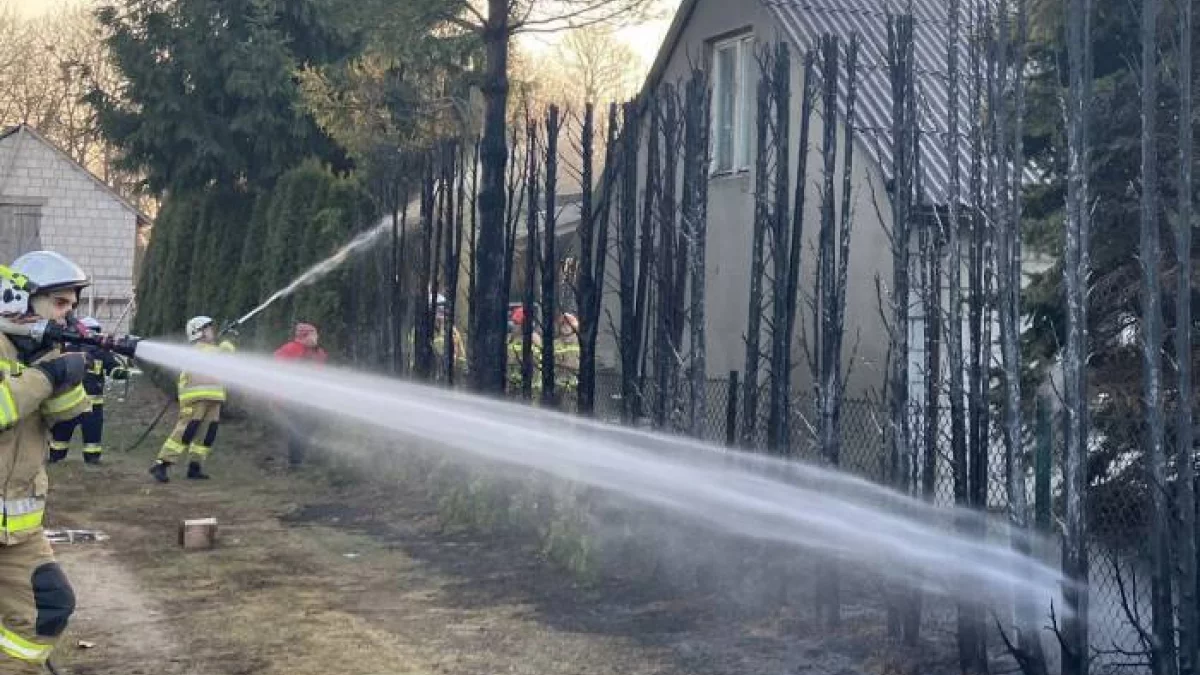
{"x":315,"y":577}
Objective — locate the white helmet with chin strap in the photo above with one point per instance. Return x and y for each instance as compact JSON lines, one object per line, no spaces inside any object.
{"x":196,"y":326}
{"x":37,"y":272}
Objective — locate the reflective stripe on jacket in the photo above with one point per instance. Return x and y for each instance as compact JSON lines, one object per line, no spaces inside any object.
{"x":193,"y":388}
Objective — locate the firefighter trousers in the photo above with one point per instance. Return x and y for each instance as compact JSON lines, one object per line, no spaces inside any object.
{"x":92,"y":424}
{"x":194,"y":433}
{"x":36,"y":602}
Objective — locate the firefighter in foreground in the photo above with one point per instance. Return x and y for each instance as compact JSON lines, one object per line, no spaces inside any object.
{"x":39,"y":387}
{"x":200,"y":401}
{"x":102,"y":364}
{"x":298,"y":426}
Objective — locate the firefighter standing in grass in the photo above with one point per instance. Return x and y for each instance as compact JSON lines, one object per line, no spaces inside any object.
{"x":200,"y":401}
{"x":102,"y":364}
{"x":39,"y":387}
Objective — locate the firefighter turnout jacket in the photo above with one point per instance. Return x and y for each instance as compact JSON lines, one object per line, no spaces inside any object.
{"x":193,"y":388}
{"x":28,"y":408}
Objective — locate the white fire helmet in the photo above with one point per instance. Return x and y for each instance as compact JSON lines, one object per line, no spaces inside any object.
{"x":37,"y":272}
{"x":91,"y":324}
{"x":196,"y":326}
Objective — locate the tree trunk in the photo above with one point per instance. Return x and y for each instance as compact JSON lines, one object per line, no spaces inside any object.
{"x":1189,"y":602}
{"x":1029,"y":641}
{"x":778,"y":433}
{"x":1074,"y":634}
{"x":828,"y":580}
{"x":650,"y":206}
{"x":587,"y":286}
{"x":550,"y":262}
{"x":531,"y":265}
{"x":627,"y":227}
{"x":487,"y":362}
{"x":454,"y":244}
{"x":423,"y":330}
{"x":762,"y":215}
{"x":808,"y":100}
{"x":1162,"y":655}
{"x":900,"y":62}
{"x":666,"y":350}
{"x":698,"y":231}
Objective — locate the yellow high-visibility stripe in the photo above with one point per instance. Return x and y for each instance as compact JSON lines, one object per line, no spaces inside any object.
{"x":98,"y":399}
{"x":92,"y":449}
{"x":21,"y":649}
{"x":8,"y":406}
{"x":201,"y":451}
{"x":60,"y":445}
{"x":22,"y":515}
{"x":23,"y":523}
{"x":65,"y":401}
{"x":174,"y":446}
{"x":208,"y":393}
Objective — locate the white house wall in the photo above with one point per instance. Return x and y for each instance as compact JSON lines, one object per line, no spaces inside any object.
{"x":80,"y":218}
{"x":730,"y":226}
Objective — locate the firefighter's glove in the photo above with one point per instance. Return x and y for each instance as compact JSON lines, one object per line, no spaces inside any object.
{"x":66,"y":371}
{"x":119,"y":374}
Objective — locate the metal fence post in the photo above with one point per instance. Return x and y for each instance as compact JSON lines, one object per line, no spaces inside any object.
{"x":731,"y":410}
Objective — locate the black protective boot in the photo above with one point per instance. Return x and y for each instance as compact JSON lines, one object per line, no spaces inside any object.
{"x":159,"y":471}
{"x":92,"y":458}
{"x":57,"y":456}
{"x":195,"y":472}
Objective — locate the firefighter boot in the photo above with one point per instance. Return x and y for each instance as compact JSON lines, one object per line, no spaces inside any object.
{"x":159,"y":471}
{"x":196,"y":472}
{"x":57,"y":456}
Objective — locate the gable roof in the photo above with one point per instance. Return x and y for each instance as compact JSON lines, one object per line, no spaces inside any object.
{"x":11,"y":131}
{"x":802,"y":22}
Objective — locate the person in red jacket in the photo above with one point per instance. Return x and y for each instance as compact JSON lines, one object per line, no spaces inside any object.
{"x":304,"y":345}
{"x":297,"y":427}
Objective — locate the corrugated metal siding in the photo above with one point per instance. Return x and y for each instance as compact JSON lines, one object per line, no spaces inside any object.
{"x":804,"y":21}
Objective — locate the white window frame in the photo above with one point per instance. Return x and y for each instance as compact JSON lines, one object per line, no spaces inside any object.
{"x":743,"y":85}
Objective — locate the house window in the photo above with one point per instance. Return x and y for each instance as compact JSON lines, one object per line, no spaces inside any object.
{"x":733,"y":115}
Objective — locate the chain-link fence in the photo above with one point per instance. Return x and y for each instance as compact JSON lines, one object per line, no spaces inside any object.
{"x":1118,"y":513}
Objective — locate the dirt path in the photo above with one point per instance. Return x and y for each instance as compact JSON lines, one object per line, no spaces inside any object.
{"x":305,"y":582}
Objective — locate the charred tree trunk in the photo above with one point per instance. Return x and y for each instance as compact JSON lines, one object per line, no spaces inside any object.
{"x":778,"y":432}
{"x":828,"y":580}
{"x":697,"y":228}
{"x":531,"y":265}
{"x":808,"y":101}
{"x":473,"y":243}
{"x":597,"y":217}
{"x":1076,"y":270}
{"x":1162,"y":653}
{"x":900,"y":66}
{"x":587,"y":286}
{"x":1028,"y":644}
{"x":667,"y":350}
{"x":399,"y":224}
{"x":423,"y":331}
{"x":454,"y":244}
{"x":626,"y":261}
{"x":762,"y":217}
{"x":1189,"y":603}
{"x":487,"y":358}
{"x":550,"y":262}
{"x":650,"y":206}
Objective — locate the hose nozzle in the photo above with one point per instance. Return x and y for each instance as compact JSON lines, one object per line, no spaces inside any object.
{"x":49,"y":331}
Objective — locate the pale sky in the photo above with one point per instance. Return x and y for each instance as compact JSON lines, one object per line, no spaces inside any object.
{"x":644,"y":39}
{"x":36,"y":7}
